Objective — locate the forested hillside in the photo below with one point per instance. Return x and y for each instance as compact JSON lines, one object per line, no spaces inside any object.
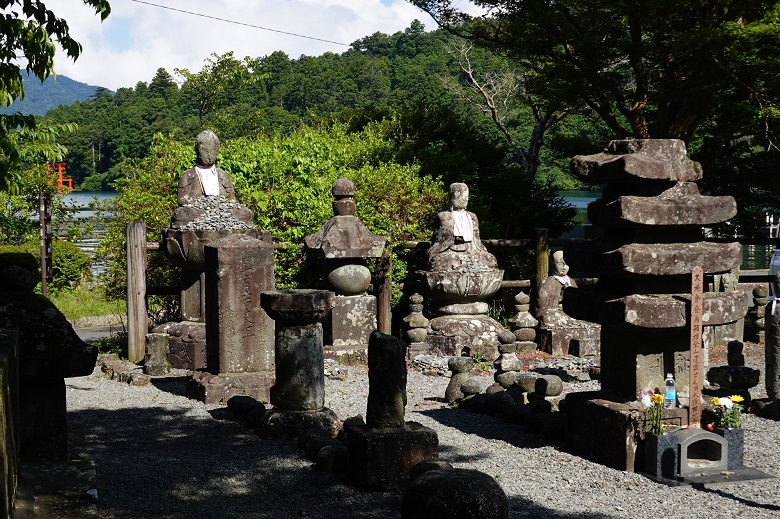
{"x":39,"y":97}
{"x":459,"y":112}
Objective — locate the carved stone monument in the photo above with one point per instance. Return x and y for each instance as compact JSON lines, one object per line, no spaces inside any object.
{"x":560,"y":334}
{"x":208,"y":211}
{"x":239,"y":333}
{"x":345,"y":243}
{"x":652,"y":215}
{"x":461,"y":275}
{"x":384,"y":449}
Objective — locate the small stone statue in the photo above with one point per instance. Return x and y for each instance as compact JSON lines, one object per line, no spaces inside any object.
{"x":455,"y":244}
{"x":551,"y":292}
{"x":205,"y":179}
{"x":561,"y":334}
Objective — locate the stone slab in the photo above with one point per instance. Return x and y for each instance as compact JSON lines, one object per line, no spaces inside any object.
{"x":218,"y":389}
{"x":638,"y":160}
{"x":671,"y":259}
{"x":239,"y":332}
{"x":671,"y":311}
{"x":285,"y":424}
{"x":350,"y":322}
{"x":383,"y":458}
{"x":679,"y":205}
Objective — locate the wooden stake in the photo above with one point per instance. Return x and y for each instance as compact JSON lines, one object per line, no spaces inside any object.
{"x":695,"y":382}
{"x":137,"y":319}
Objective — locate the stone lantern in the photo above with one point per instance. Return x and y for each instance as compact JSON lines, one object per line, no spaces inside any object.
{"x":345,"y":243}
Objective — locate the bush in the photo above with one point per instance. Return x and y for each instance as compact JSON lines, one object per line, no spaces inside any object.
{"x":69,"y":264}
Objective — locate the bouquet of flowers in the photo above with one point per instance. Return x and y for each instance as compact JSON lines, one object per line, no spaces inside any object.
{"x":728,"y":412}
{"x":654,"y":404}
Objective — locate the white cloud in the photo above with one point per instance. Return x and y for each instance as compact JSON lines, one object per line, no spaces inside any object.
{"x":137,"y":39}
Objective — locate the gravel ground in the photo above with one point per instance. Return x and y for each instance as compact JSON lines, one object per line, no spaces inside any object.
{"x":160,"y":455}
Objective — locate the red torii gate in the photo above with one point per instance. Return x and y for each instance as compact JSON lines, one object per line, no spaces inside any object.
{"x":59,"y":168}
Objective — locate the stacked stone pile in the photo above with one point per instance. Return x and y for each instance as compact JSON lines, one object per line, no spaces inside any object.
{"x":735,"y":378}
{"x":756,"y":315}
{"x":213,"y":213}
{"x":524,"y":324}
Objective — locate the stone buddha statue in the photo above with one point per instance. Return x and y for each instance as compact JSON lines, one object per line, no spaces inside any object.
{"x":551,"y":293}
{"x":204,"y":178}
{"x":455,"y":244}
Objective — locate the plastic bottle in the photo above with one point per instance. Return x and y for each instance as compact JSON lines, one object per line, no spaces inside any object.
{"x":670,"y":392}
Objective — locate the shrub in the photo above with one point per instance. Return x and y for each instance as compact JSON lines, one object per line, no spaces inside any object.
{"x":69,"y":264}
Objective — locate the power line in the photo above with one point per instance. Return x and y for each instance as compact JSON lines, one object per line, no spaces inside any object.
{"x":240,"y":23}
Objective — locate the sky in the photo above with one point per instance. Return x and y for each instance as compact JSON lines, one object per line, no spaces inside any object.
{"x":138,"y":38}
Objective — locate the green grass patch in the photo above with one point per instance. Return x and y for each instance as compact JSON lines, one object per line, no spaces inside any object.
{"x":85,"y":302}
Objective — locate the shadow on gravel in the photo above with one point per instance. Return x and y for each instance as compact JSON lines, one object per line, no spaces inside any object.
{"x":487,"y":426}
{"x":163,"y":464}
{"x":740,"y":500}
{"x":173,"y":385}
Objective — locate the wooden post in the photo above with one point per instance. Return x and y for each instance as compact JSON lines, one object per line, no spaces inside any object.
{"x":384,"y":294}
{"x":542,"y":256}
{"x":695,"y":382}
{"x":137,"y":320}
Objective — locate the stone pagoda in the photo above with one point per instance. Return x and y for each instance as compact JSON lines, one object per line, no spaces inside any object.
{"x":345,"y":243}
{"x":652,"y":216}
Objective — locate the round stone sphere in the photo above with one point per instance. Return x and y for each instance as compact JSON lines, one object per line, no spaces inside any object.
{"x":350,"y":279}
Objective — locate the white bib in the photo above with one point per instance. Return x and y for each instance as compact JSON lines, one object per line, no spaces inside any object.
{"x":209,"y":180}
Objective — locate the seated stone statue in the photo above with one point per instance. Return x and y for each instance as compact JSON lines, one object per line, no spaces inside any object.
{"x":207,"y":199}
{"x":205,"y":179}
{"x":561,"y":334}
{"x":455,"y":244}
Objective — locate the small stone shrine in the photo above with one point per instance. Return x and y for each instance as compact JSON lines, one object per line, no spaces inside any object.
{"x":416,"y":326}
{"x":345,"y":243}
{"x":461,"y":275}
{"x":524,"y":324}
{"x":208,"y":211}
{"x":384,"y":449}
{"x":298,"y":396}
{"x":652,"y":215}
{"x":560,"y":334}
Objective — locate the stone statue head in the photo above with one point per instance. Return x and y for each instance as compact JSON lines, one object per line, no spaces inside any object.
{"x":560,"y":268}
{"x":206,"y":148}
{"x":459,"y":196}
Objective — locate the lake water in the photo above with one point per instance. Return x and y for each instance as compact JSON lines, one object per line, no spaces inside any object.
{"x":85,"y":214}
{"x":754,"y":257}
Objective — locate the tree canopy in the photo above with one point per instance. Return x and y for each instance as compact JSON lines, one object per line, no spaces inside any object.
{"x":648,"y":68}
{"x":30,"y":32}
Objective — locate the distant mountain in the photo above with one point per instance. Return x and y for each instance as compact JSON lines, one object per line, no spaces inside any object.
{"x":39,"y":97}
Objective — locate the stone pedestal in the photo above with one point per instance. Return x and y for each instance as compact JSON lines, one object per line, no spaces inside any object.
{"x":218,"y":389}
{"x":156,"y":359}
{"x":581,"y":342}
{"x":451,"y":335}
{"x":298,"y":395}
{"x":186,"y":344}
{"x":351,"y":321}
{"x":382,"y":459}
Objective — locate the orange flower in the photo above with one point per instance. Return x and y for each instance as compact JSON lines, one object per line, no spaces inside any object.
{"x":657,"y":399}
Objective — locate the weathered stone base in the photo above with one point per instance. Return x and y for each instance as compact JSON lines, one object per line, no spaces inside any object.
{"x":609,"y":432}
{"x":284,"y":424}
{"x":186,"y":345}
{"x":351,"y":321}
{"x":383,"y":458}
{"x":218,"y":389}
{"x":583,"y":341}
{"x":450,"y":335}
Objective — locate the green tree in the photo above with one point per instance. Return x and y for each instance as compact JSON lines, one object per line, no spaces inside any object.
{"x":648,"y":69}
{"x":29,"y":32}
